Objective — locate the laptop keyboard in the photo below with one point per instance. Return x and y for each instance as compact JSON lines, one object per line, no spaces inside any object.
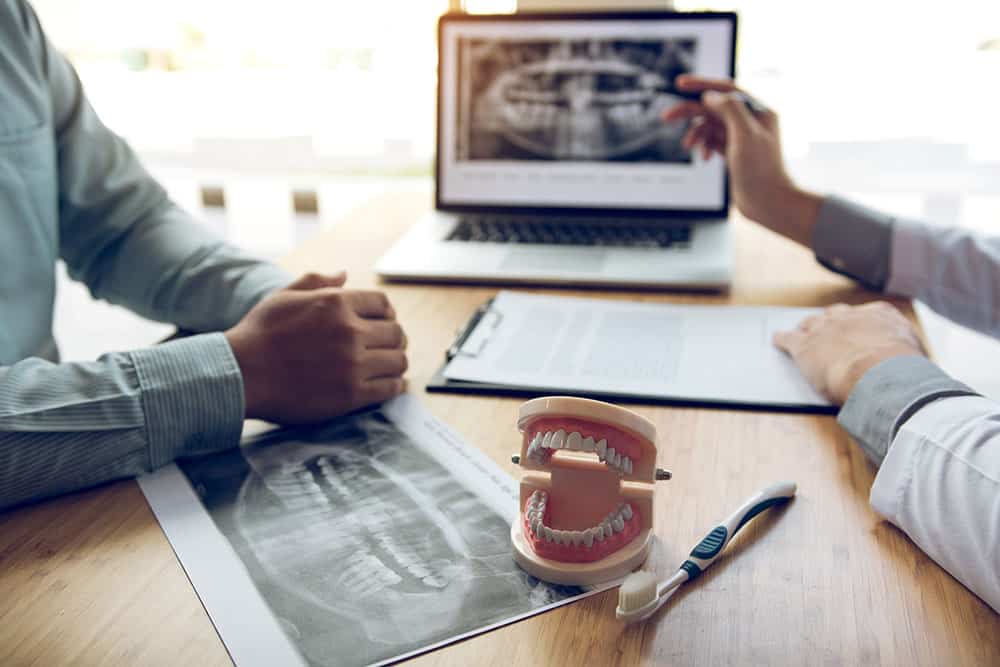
{"x":570,"y":231}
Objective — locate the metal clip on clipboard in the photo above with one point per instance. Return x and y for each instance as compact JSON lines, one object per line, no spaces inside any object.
{"x":484,"y":312}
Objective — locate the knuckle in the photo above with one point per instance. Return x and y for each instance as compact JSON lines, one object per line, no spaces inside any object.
{"x":349,"y":329}
{"x":356,"y":328}
{"x":399,"y":336}
{"x":334,"y":298}
{"x":331,"y":305}
{"x":386,"y":306}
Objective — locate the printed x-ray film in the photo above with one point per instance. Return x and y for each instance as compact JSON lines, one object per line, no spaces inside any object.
{"x":365,"y":540}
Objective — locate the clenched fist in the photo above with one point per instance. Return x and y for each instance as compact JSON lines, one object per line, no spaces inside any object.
{"x":315,"y":350}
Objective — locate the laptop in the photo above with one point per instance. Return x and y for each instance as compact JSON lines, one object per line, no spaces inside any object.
{"x":553,"y":166}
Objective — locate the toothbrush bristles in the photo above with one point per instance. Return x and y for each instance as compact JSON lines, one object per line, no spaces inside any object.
{"x":637,"y":591}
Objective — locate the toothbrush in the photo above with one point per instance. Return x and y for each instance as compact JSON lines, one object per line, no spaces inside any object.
{"x":640,"y":595}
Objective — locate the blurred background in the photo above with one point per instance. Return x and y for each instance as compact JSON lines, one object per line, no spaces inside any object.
{"x":245,"y":104}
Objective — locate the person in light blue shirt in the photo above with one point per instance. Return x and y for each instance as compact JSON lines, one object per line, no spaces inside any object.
{"x":264,"y":346}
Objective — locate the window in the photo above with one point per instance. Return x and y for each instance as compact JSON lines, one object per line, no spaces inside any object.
{"x":323,"y":86}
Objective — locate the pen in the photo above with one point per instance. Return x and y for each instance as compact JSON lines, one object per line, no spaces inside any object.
{"x":754,"y":105}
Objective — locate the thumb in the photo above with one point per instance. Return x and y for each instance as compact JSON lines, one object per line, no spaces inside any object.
{"x":789,"y":341}
{"x":311,"y":281}
{"x":731,"y":109}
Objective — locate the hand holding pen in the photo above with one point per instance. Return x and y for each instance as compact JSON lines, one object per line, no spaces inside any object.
{"x":727,"y":121}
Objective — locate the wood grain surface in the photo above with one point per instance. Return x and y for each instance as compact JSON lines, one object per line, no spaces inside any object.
{"x":89,"y":578}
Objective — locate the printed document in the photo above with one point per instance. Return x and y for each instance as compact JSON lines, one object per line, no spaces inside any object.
{"x":698,"y":353}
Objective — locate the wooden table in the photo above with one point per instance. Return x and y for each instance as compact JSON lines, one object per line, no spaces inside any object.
{"x":90,"y":578}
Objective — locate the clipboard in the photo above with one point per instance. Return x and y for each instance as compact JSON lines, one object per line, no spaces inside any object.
{"x":438,"y":383}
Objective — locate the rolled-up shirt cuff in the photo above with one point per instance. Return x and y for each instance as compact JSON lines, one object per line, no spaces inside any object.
{"x":855,"y":241}
{"x":192,"y":397}
{"x":889,"y":394}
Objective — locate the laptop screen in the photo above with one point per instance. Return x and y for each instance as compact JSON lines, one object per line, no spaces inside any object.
{"x":563,"y":111}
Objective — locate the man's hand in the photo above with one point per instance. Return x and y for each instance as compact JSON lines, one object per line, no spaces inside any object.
{"x":835,"y":349}
{"x":314,"y":351}
{"x":751,"y":144}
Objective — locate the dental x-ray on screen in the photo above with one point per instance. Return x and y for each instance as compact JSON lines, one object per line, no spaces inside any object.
{"x":571,"y":99}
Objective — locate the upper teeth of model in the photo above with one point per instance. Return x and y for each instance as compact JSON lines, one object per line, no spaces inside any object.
{"x":548,"y":441}
{"x":534,"y":511}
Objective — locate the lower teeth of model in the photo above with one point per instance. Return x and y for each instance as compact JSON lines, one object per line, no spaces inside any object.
{"x":534,"y":511}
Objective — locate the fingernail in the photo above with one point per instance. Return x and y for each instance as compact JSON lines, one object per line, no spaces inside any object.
{"x":711,"y":97}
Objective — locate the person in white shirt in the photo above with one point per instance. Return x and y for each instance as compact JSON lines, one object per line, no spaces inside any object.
{"x":935,"y":441}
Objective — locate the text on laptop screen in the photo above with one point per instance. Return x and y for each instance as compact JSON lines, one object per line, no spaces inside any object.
{"x":567,"y":112}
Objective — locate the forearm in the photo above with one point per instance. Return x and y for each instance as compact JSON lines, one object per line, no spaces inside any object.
{"x":132,"y":246}
{"x":169,"y":268}
{"x":796,"y":215}
{"x":68,"y":426}
{"x":940,"y":483}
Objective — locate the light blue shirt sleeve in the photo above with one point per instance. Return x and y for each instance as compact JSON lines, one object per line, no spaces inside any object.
{"x":72,"y":425}
{"x":71,"y":188}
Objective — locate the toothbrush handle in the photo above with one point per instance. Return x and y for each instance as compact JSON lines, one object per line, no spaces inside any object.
{"x":708,"y":550}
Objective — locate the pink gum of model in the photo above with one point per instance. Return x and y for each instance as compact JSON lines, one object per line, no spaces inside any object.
{"x":568,"y":494}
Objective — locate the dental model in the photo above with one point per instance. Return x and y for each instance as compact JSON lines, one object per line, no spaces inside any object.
{"x":586,"y":502}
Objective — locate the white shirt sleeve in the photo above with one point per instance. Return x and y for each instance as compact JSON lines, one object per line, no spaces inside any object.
{"x":940,"y":483}
{"x":954,"y":271}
